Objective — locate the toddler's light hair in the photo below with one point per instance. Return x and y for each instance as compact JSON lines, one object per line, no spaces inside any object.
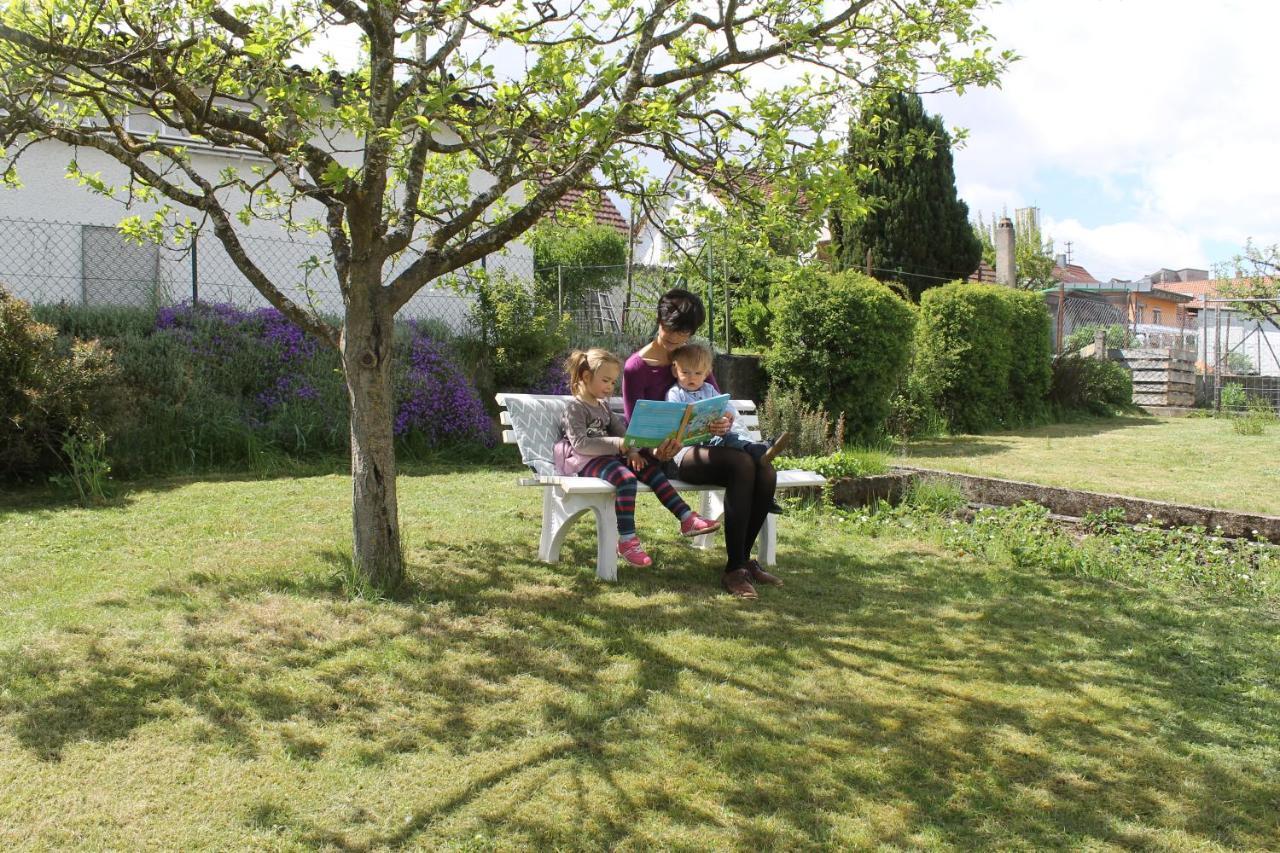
{"x":581,"y":365}
{"x":693,"y":356}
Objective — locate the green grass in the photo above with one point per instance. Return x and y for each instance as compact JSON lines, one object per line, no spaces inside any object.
{"x":179,"y":670}
{"x":1185,"y":460}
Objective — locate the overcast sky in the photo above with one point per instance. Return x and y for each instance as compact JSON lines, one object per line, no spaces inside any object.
{"x":1146,"y":131}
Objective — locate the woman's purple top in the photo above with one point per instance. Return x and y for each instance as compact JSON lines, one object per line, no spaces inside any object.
{"x":643,"y":381}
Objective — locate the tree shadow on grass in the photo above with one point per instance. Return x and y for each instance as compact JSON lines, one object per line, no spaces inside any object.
{"x":974,"y":708}
{"x":19,"y":500}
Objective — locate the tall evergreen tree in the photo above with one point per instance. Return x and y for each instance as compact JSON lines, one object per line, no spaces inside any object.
{"x":916,"y":228}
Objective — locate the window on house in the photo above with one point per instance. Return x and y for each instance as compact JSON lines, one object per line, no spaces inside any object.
{"x":1138,"y":316}
{"x":1155,"y":316}
{"x":146,"y":125}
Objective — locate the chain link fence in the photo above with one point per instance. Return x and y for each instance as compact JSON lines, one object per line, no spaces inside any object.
{"x":50,"y":263}
{"x":1240,"y":353}
{"x":1082,"y":314}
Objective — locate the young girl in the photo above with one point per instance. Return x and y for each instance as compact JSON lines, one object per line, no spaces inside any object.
{"x":593,"y":446}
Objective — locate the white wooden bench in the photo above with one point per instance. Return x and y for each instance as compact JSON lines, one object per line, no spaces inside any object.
{"x":533,"y":422}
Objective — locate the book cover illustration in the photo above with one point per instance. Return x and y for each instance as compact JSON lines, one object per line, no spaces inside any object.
{"x":654,"y":421}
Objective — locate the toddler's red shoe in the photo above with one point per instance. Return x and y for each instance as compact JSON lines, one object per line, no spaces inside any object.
{"x":695,"y":525}
{"x":631,"y":551}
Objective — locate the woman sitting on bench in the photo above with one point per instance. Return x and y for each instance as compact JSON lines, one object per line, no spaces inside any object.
{"x":749,"y":485}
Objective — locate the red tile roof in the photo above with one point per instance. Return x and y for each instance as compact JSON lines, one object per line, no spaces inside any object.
{"x":1200,"y":289}
{"x":1073,"y":274}
{"x":605,"y":212}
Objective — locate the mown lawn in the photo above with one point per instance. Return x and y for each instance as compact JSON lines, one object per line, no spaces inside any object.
{"x":1186,"y":460}
{"x":181,"y":671}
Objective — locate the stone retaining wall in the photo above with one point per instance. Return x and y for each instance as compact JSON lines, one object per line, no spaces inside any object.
{"x":860,"y":491}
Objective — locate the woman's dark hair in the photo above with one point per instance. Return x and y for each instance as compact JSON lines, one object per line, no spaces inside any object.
{"x":680,"y":311}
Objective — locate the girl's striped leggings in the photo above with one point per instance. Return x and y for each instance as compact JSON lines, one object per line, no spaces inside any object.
{"x":615,"y":470}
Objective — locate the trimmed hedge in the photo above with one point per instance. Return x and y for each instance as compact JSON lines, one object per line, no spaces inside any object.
{"x":983,"y":355}
{"x":844,"y":342}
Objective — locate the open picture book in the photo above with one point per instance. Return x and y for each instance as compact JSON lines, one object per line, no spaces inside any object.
{"x":654,"y":421}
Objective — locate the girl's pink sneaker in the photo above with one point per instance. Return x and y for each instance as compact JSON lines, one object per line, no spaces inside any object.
{"x":633,"y":553}
{"x":696,"y":525}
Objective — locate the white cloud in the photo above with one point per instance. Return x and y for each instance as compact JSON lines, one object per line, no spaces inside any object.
{"x":1126,"y":250}
{"x":1170,"y":96}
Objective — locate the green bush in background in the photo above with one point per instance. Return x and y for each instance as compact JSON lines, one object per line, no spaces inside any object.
{"x":47,"y":389}
{"x":573,"y":258}
{"x":211,"y":386}
{"x":1118,"y":337}
{"x":519,"y":334}
{"x":1089,"y":386}
{"x":810,"y":427}
{"x":982,"y":355}
{"x":843,"y":341}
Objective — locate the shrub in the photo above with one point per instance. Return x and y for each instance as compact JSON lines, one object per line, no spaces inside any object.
{"x":1118,"y":337}
{"x":572,"y":259}
{"x":751,"y":321}
{"x":1239,"y":364}
{"x":812,"y":433}
{"x":1090,"y":386}
{"x":850,"y":462}
{"x":912,"y":414}
{"x":982,"y":355}
{"x":47,"y":386}
{"x":843,"y":341}
{"x":436,"y":401}
{"x":519,"y":334}
{"x":1030,"y":356}
{"x":1232,"y":396}
{"x":218,"y":386}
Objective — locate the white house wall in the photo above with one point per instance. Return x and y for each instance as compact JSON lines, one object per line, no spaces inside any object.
{"x":48,"y":225}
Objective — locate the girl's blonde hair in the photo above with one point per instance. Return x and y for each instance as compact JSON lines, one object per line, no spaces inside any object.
{"x":581,"y":365}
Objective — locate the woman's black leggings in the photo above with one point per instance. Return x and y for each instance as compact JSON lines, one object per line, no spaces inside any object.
{"x":748,"y":492}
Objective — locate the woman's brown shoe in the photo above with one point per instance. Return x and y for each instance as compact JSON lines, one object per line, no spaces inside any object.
{"x":737,"y":583}
{"x":759,"y":575}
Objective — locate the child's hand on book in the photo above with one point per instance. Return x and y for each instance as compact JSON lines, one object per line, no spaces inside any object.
{"x":636,"y":460}
{"x":721,"y":426}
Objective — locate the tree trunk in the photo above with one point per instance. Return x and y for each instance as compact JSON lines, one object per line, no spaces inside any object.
{"x":366,"y":361}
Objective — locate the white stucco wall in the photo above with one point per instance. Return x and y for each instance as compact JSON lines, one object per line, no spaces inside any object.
{"x":51,"y":251}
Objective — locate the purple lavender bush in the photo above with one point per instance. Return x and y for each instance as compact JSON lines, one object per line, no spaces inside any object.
{"x":266,"y":378}
{"x":436,"y":400}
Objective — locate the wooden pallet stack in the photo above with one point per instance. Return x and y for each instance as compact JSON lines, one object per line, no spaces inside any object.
{"x":1162,"y":376}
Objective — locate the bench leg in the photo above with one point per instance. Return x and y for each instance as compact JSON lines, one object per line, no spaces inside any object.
{"x":767,"y":544}
{"x":559,"y":512}
{"x":712,"y":508}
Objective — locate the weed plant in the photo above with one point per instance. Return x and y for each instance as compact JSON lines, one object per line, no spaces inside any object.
{"x":850,"y":462}
{"x":1102,"y":546}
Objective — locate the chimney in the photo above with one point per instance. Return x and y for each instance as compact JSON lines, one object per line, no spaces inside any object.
{"x":1006,"y":270}
{"x":1060,"y":260}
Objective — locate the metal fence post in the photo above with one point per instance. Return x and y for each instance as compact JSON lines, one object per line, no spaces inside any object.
{"x":1217,"y":358}
{"x":195,"y":267}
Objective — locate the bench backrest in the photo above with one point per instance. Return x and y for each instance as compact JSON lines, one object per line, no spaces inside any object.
{"x":534,"y":421}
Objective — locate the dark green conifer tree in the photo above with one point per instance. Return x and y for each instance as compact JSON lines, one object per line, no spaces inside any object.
{"x":916,"y":228}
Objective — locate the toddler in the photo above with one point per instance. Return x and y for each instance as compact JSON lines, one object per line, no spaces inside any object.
{"x":691,"y":364}
{"x":594,"y":446}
